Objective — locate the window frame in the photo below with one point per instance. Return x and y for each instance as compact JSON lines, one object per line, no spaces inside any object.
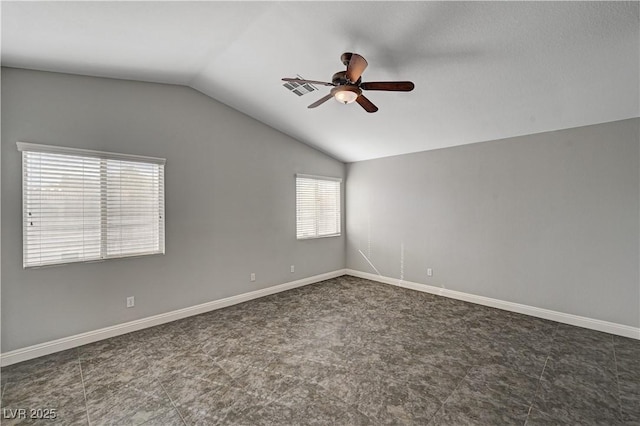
{"x":103,"y":156}
{"x":339,"y":204}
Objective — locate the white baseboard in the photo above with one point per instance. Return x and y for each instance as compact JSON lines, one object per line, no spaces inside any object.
{"x":65,"y":343}
{"x":593,"y":324}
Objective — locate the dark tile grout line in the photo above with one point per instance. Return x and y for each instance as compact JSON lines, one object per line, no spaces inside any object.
{"x":339,"y":399}
{"x":315,"y":384}
{"x":84,"y":391}
{"x":452,"y":392}
{"x":535,"y":395}
{"x":118,"y":421}
{"x":165,"y":392}
{"x":474,"y":366}
{"x":112,"y":392}
{"x":172,"y":403}
{"x":265,"y":406}
{"x":274,"y":400}
{"x":163,"y":388}
{"x":224,"y":370}
{"x":615,"y":362}
{"x":2,"y":394}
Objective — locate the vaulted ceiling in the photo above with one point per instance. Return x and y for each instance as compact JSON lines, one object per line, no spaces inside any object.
{"x":482,"y":70}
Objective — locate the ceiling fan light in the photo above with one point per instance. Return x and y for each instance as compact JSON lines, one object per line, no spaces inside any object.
{"x":346,"y":95}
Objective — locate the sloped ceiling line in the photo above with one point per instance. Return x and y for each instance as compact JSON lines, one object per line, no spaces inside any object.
{"x":482,"y":70}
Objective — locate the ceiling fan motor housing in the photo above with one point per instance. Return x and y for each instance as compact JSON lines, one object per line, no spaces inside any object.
{"x":340,"y":78}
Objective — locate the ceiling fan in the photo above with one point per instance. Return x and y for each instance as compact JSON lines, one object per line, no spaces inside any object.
{"x":347,"y":86}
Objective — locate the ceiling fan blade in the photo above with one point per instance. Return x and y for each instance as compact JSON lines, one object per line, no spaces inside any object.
{"x":357,"y":65}
{"x":321,"y":101}
{"x":394,"y":86}
{"x":366,"y":104}
{"x":301,"y":81}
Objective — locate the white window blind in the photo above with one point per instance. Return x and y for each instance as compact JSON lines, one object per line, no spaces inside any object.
{"x":317,"y":206}
{"x":82,"y":205}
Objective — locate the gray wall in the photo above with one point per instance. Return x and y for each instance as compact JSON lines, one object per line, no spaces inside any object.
{"x":549,"y":220}
{"x":230,"y":203}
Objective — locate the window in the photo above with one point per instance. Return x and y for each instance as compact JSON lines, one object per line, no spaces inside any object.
{"x":317,"y":206}
{"x":82,"y":205}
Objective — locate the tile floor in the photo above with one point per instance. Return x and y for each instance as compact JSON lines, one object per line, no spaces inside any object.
{"x":345,"y":351}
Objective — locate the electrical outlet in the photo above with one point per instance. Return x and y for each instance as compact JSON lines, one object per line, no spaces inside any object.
{"x":429,"y":272}
{"x":293,"y":268}
{"x":253,"y":276}
{"x":131,"y":302}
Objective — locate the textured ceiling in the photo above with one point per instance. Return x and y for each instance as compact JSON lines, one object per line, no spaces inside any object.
{"x":482,"y":70}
